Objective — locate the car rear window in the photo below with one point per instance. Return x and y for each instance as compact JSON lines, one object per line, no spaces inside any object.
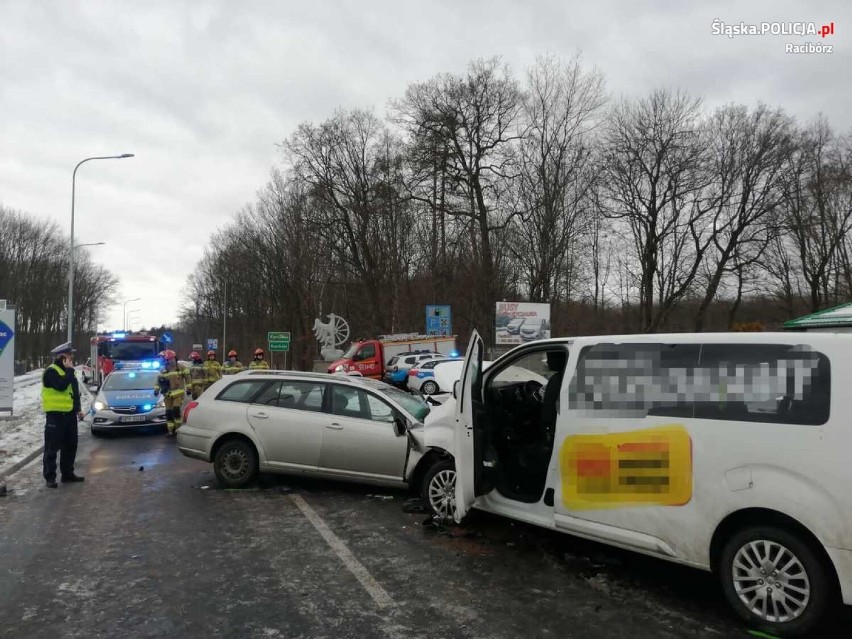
{"x":242,"y":391}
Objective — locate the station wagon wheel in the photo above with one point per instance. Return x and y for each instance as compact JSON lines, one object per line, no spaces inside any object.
{"x":775,"y":581}
{"x":235,"y":463}
{"x":429,"y":387}
{"x":439,"y":489}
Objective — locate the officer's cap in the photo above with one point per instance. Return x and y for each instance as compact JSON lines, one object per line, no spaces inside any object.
{"x":62,"y":349}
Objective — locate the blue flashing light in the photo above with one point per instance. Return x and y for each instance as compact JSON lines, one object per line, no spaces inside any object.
{"x":454,"y":354}
{"x":119,"y":335}
{"x":147,"y":407}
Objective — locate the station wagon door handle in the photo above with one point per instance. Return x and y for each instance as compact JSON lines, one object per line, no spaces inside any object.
{"x":261,"y":415}
{"x":335,"y":426}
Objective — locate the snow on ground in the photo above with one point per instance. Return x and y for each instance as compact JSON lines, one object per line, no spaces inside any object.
{"x":24,"y":431}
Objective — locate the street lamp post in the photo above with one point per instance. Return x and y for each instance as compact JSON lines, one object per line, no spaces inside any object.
{"x":71,"y":270}
{"x":130,"y":313}
{"x":124,"y":314}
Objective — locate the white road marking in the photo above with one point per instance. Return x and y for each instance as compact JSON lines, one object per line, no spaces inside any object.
{"x":372,"y":587}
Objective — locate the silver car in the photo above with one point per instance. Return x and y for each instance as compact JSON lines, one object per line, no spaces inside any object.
{"x":333,"y":426}
{"x":127,"y":400}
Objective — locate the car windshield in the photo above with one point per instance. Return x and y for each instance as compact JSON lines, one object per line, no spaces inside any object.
{"x":131,"y":351}
{"x":415,"y":406}
{"x":142,"y":380}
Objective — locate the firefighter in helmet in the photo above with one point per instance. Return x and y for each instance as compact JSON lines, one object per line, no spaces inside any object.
{"x":212,"y":369}
{"x":173,"y":382}
{"x":197,"y":374}
{"x":258,"y":361}
{"x":233,"y":365}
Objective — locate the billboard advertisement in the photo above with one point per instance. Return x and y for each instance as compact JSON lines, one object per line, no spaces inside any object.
{"x":7,"y":357}
{"x":521,"y":322}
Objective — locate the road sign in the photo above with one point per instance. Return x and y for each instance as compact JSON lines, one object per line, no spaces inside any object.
{"x":212,"y":344}
{"x":279,"y":345}
{"x":277,"y":336}
{"x":167,"y":338}
{"x":196,"y":347}
{"x":439,"y":320}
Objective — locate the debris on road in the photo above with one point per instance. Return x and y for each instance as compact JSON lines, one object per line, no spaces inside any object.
{"x":2,"y":490}
{"x":141,"y":468}
{"x":383,"y":497}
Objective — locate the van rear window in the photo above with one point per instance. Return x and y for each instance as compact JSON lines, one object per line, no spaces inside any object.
{"x":779,"y":383}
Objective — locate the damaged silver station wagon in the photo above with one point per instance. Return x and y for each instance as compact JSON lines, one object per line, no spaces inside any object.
{"x":321,"y":425}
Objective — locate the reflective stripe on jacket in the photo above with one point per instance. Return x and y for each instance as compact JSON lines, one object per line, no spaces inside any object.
{"x":214,"y":370}
{"x":173,"y":383}
{"x":258,"y":364}
{"x":54,"y":401}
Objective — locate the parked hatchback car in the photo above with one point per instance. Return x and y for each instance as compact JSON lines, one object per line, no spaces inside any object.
{"x":333,"y":426}
{"x":127,"y":400}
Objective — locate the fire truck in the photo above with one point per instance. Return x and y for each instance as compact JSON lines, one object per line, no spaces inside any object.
{"x":122,"y":350}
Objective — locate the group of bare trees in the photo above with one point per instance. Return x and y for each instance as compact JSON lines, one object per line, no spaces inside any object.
{"x":646,"y":214}
{"x":34,"y":277}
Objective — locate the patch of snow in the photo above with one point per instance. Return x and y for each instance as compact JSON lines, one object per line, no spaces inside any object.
{"x":23,"y":432}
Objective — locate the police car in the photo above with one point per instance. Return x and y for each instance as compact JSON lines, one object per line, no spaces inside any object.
{"x":128,"y":399}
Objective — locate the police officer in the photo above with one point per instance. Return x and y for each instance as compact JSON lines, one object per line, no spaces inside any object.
{"x":60,"y":400}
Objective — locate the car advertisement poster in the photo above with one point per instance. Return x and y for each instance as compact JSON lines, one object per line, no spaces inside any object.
{"x":7,"y":358}
{"x":521,"y":322}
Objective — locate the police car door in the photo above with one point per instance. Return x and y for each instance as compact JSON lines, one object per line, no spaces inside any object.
{"x":470,"y":429}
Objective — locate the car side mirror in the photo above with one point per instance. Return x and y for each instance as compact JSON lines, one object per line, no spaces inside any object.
{"x":456,"y":389}
{"x":399,"y":426}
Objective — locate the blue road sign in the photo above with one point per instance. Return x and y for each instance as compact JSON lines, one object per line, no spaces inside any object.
{"x":439,"y":319}
{"x":212,"y":344}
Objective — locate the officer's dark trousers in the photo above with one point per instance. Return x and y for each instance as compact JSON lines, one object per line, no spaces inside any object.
{"x":60,"y":436}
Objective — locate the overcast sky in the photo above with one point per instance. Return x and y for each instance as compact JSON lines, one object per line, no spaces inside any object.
{"x":203,"y":91}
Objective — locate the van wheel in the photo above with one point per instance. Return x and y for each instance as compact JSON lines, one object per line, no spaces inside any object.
{"x":775,"y":581}
{"x":235,"y":464}
{"x":439,"y":489}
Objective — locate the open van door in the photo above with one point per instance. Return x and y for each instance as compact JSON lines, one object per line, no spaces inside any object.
{"x":469,"y":436}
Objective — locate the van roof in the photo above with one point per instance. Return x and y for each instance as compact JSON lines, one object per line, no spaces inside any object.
{"x":787,"y":337}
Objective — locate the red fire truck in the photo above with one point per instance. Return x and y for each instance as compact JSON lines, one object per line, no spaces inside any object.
{"x":122,"y":350}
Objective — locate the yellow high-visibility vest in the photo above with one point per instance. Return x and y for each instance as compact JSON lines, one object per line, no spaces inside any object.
{"x":55,"y":401}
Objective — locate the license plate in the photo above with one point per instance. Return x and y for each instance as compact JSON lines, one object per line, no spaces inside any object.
{"x":133,"y":418}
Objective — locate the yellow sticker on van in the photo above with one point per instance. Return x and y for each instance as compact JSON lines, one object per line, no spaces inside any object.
{"x":651,"y":467}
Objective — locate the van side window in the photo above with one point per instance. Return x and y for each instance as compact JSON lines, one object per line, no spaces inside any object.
{"x":634,"y":380}
{"x":776,"y":383}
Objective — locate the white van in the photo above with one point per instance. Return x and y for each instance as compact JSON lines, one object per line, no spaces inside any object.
{"x":728,"y":452}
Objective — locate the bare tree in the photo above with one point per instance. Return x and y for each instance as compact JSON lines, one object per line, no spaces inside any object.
{"x":815,"y":220}
{"x":474,"y":117}
{"x":750,"y":152}
{"x":654,"y":171}
{"x":561,"y":108}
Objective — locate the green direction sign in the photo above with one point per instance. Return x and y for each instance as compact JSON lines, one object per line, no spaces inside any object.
{"x":279,"y":345}
{"x":277,"y":336}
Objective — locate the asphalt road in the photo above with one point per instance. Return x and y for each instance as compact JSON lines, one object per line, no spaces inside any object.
{"x":149,"y":546}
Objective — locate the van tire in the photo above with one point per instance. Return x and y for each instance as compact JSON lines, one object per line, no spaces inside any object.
{"x":438,"y":479}
{"x":809,"y":573}
{"x":235,"y":463}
